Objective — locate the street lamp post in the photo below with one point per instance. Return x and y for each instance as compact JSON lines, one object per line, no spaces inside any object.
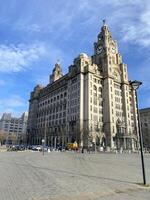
{"x":45,"y":133}
{"x":43,"y":141}
{"x":95,"y":145}
{"x":135,"y":85}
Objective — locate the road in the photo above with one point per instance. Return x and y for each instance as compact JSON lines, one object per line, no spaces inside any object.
{"x":72,"y":176}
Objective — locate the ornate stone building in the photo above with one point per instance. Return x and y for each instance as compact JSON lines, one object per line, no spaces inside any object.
{"x":92,"y":104}
{"x":145,"y":125}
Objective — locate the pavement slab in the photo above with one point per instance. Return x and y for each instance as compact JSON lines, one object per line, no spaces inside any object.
{"x":72,"y":176}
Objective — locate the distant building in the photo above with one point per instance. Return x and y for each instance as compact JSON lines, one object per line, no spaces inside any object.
{"x":145,"y":125}
{"x":93,"y":104}
{"x":13,"y":125}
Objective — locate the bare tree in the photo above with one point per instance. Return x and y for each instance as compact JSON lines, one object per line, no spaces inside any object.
{"x":13,"y":138}
{"x":3,"y":137}
{"x":23,"y":139}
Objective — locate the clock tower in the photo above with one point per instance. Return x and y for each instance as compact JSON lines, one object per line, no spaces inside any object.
{"x":115,"y":84}
{"x":106,"y":51}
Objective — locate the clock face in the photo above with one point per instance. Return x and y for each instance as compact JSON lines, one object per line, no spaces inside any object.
{"x":99,"y":49}
{"x":113,"y":50}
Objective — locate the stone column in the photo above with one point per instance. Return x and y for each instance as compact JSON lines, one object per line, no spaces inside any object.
{"x":52,"y":141}
{"x":132,"y":144}
{"x":125,"y":144}
{"x":55,"y":142}
{"x":118,"y":144}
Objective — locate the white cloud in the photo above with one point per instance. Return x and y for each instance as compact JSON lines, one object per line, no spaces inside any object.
{"x":129,"y":19}
{"x":16,"y":58}
{"x":135,"y":25}
{"x":12,"y":102}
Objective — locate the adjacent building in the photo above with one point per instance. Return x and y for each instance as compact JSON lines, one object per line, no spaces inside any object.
{"x":93,"y":104}
{"x":14,"y":126}
{"x":145,"y":126}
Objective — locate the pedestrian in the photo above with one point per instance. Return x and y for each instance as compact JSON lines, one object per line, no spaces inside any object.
{"x":82,"y":150}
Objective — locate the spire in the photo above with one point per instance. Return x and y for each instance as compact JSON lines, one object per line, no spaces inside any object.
{"x":105,"y":26}
{"x":104,"y":22}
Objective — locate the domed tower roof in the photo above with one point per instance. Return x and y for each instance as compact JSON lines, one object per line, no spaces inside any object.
{"x":83,"y":55}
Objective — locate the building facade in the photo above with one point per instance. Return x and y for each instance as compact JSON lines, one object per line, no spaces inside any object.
{"x":145,"y":126}
{"x":14,"y":126}
{"x":93,"y":104}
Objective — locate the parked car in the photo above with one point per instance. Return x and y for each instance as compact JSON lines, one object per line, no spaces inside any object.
{"x":34,"y":148}
{"x":13,"y":148}
{"x":22,"y":147}
{"x":29,"y":147}
{"x":39,"y":148}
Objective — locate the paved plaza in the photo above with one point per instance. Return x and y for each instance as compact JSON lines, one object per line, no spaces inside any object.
{"x":72,"y":176}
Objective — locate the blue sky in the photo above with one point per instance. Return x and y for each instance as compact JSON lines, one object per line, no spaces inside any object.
{"x":34,"y":34}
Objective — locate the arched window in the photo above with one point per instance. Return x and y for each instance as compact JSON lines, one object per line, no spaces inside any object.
{"x":100,"y":89}
{"x":94,"y":88}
